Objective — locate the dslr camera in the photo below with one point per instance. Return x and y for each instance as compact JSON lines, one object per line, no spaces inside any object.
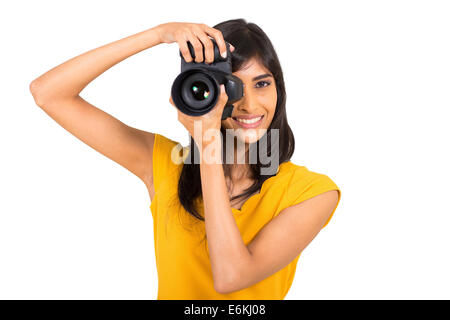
{"x":196,"y":89}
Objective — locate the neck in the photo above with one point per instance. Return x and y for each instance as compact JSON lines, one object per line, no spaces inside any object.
{"x":238,"y":168}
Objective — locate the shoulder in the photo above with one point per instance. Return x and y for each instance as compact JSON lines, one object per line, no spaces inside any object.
{"x":293,"y":174}
{"x":301,"y":175}
{"x":167,"y":158}
{"x":300,"y":183}
{"x":165,"y":149}
{"x":164,"y":143}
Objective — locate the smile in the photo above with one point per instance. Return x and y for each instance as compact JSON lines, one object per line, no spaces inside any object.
{"x":248,"y":123}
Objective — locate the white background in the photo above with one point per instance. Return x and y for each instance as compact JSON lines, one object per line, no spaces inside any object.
{"x":367,"y":99}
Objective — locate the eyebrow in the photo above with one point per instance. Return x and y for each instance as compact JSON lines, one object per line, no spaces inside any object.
{"x":262,"y":76}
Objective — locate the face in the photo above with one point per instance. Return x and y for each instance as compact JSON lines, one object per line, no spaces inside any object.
{"x":253,"y":113}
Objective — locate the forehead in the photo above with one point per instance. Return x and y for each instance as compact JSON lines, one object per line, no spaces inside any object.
{"x":251,"y":69}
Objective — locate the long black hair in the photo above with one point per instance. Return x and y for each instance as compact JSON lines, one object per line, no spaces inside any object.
{"x":249,"y":41}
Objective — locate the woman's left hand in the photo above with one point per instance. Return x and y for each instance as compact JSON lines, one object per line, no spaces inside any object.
{"x":205,"y":124}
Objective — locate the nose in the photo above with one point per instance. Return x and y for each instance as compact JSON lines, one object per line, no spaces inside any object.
{"x":248,"y":101}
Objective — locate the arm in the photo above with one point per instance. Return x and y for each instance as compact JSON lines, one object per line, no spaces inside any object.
{"x":284,"y":238}
{"x":236,"y":266}
{"x":227,"y":251}
{"x":57,"y":93}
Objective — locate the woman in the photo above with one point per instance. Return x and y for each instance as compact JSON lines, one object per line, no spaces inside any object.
{"x":255,"y":225}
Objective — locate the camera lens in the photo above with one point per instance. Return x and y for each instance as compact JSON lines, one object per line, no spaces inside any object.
{"x":200,"y":90}
{"x":197,"y":90}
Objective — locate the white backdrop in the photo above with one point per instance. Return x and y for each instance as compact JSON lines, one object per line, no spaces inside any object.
{"x":367,"y":98}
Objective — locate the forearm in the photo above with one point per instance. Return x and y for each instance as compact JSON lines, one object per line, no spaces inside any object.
{"x":227,"y":251}
{"x":68,"y":79}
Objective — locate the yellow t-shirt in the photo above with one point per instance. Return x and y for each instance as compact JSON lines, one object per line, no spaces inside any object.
{"x":182,"y":259}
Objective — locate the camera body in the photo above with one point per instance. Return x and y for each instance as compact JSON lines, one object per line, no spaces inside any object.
{"x":196,"y":89}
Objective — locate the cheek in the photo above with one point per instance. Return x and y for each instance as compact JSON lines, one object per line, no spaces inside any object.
{"x":270,"y":109}
{"x":269,"y":101}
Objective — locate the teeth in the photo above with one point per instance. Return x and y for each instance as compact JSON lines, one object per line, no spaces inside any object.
{"x":249,"y":121}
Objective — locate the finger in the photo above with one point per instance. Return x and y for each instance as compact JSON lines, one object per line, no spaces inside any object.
{"x":231,"y":48}
{"x":209,"y":47}
{"x":217,"y":35}
{"x":171,"y":101}
{"x":198,"y":48}
{"x":184,"y":49}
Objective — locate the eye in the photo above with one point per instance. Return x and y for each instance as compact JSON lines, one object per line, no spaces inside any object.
{"x":266,"y":82}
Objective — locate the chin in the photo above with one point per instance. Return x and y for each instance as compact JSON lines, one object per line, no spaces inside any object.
{"x":249,"y":135}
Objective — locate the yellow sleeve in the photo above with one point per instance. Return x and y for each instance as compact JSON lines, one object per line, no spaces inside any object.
{"x":307,"y":186}
{"x":165,"y":158}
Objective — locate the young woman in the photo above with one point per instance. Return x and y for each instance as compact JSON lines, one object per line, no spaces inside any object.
{"x":255,"y":225}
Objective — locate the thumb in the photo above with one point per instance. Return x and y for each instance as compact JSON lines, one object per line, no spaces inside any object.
{"x":172,"y":103}
{"x":223,"y":98}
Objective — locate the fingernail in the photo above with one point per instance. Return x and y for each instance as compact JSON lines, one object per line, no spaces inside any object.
{"x":224,"y":54}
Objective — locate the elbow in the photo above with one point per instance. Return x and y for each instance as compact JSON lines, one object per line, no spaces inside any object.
{"x":225,"y":286}
{"x":234,"y":279}
{"x":44,"y":95}
{"x":221,"y":288}
{"x":34,"y":89}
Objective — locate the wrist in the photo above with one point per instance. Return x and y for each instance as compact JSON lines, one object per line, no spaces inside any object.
{"x":211,"y":152}
{"x":158,"y":33}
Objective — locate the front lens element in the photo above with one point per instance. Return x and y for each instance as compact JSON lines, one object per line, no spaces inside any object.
{"x":200,"y":90}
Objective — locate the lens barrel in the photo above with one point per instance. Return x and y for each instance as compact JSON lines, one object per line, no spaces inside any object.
{"x":198,"y":91}
{"x":191,"y":102}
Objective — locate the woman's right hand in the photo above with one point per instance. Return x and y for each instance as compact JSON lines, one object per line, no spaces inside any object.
{"x":197,"y":34}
